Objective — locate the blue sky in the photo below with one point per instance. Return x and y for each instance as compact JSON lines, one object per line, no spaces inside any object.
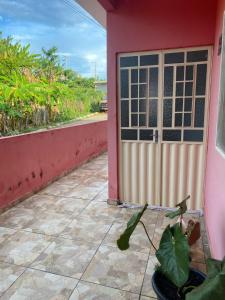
{"x":47,"y":23}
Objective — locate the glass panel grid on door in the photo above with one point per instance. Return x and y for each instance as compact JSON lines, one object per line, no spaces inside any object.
{"x":162,"y":126}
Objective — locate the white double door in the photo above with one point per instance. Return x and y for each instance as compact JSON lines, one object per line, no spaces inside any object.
{"x":163,"y":107}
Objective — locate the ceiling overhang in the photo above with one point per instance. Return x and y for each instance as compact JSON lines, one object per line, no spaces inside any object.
{"x":97,"y":8}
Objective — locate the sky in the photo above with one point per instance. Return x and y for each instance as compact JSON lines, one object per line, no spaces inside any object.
{"x":80,"y":41}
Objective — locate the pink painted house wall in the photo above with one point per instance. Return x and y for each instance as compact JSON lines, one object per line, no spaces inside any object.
{"x":215,"y":172}
{"x":150,"y":25}
{"x":29,"y":162}
{"x":154,"y":25}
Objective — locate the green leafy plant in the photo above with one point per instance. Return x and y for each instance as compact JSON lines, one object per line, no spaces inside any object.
{"x":214,"y":285}
{"x":173,"y":257}
{"x":36,"y":90}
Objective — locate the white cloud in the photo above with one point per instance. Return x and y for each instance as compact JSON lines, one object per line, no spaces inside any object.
{"x":22,"y":37}
{"x":90,"y":57}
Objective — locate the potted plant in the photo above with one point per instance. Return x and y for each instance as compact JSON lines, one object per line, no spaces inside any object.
{"x":173,"y":278}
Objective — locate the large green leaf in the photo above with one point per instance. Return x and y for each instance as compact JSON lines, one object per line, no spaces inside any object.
{"x":173,"y":255}
{"x":123,"y":241}
{"x":182,"y":209}
{"x":214,"y":285}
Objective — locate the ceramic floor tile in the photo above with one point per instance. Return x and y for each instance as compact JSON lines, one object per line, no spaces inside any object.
{"x":58,"y":204}
{"x":66,"y":257}
{"x":138,"y":241}
{"x":87,"y":229}
{"x":23,"y":248}
{"x":6,"y":233}
{"x":147,"y":289}
{"x":37,"y":285}
{"x":102,"y":196}
{"x":118,"y":269}
{"x":16,"y":217}
{"x":38,"y":202}
{"x":83,"y":192}
{"x":8,"y":274}
{"x":149,"y":217}
{"x":67,"y":181}
{"x":101,"y":210}
{"x":49,"y":223}
{"x":56,"y":189}
{"x":91,"y":291}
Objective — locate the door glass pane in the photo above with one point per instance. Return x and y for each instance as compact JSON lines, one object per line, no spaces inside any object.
{"x":129,"y":134}
{"x":168,"y":81}
{"x":134,"y":91}
{"x":153,"y":113}
{"x":188,"y":88}
{"x":142,"y":120}
{"x":146,"y":135}
{"x":134,"y":106}
{"x":199,"y":112}
{"x":142,"y":90}
{"x":167,"y":112}
{"x":143,"y":75}
{"x":195,"y":56}
{"x":124,"y":87}
{"x":148,"y":60}
{"x":193,"y":135}
{"x":188,"y":104}
{"x":134,"y":76}
{"x":134,"y":120}
{"x":201,"y":79}
{"x":179,"y":104}
{"x":179,"y":89}
{"x":124,"y":113}
{"x":172,"y":58}
{"x":178,"y":119}
{"x":187,"y":119}
{"x":153,"y":82}
{"x":189,"y":72}
{"x":172,"y":135}
{"x":180,"y":74}
{"x":129,"y":61}
{"x":142,"y":105}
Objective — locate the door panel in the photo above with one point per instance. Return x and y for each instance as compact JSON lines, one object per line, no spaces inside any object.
{"x":163,"y":121}
{"x":182,"y":174}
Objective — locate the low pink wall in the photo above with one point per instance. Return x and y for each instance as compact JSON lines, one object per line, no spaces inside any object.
{"x":150,"y":25}
{"x":215,"y":172}
{"x":30,"y":161}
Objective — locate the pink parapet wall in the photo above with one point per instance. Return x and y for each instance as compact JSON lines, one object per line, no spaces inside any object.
{"x":144,"y":26}
{"x":215,"y":172}
{"x":29,"y":162}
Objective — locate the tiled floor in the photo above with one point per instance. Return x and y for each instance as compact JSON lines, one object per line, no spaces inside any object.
{"x":61,"y":244}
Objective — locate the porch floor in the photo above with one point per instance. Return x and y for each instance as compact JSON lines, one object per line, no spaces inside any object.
{"x":61,"y":243}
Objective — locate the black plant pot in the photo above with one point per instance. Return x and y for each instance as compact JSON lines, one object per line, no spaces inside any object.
{"x":166,"y":290}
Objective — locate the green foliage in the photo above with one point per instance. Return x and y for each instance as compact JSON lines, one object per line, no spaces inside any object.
{"x":182,"y":209}
{"x":35,"y":90}
{"x":173,"y":255}
{"x":123,"y":241}
{"x":214,"y":285}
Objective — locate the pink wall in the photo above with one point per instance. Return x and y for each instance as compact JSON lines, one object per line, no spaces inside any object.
{"x":215,"y":173}
{"x":150,"y":25}
{"x":28,"y":162}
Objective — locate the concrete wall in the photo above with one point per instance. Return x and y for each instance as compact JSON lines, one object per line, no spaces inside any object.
{"x":30,"y":161}
{"x":215,"y":172}
{"x":150,"y":25}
